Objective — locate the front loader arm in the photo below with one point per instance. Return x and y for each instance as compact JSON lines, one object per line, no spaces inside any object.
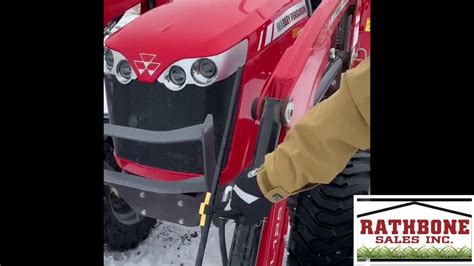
{"x":300,"y":80}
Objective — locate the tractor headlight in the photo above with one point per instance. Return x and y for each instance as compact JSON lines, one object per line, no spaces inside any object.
{"x":177,"y":75}
{"x":109,"y":59}
{"x":117,"y":65}
{"x":124,"y":72}
{"x":204,"y":71}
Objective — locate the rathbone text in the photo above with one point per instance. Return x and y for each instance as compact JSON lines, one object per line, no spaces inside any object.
{"x":412,"y":226}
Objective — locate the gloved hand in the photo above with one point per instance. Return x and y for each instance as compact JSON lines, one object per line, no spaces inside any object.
{"x":247,"y":201}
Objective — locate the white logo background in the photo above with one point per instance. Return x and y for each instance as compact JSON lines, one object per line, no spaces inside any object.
{"x":412,"y":212}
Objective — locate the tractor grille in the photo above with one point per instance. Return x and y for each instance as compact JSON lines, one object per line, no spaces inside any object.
{"x":155,"y":107}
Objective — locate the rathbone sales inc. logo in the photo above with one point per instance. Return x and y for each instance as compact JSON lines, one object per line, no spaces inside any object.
{"x":413,"y":229}
{"x":146,"y":63}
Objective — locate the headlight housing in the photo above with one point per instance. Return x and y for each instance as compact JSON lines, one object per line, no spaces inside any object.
{"x":109,"y":59}
{"x":177,"y":75}
{"x":207,"y":70}
{"x":117,"y":65}
{"x":204,"y":71}
{"x":124,"y":72}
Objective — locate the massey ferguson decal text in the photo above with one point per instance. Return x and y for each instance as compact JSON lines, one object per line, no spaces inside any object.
{"x":388,"y":228}
{"x":282,"y":24}
{"x":286,"y":20}
{"x":289,"y":18}
{"x":146,"y":63}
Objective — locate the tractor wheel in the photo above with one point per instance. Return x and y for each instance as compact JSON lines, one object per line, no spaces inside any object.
{"x":322,"y":225}
{"x":245,"y":242}
{"x":124,"y":229}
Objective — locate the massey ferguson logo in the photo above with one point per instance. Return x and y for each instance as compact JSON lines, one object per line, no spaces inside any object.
{"x":147,"y":63}
{"x":418,"y":228}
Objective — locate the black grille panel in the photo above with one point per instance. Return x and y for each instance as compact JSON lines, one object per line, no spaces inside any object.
{"x":155,"y":107}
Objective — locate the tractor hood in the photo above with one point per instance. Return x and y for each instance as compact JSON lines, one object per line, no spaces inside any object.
{"x":189,"y":29}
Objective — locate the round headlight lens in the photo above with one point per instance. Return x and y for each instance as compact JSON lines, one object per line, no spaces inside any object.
{"x":204,"y":71}
{"x":177,"y":75}
{"x":207,"y":68}
{"x":109,"y":59}
{"x":124,"y":72}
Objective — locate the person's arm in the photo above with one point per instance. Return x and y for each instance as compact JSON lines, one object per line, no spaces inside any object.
{"x":321,"y":143}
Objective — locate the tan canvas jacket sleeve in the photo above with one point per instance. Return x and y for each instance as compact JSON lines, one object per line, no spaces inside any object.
{"x":321,"y":143}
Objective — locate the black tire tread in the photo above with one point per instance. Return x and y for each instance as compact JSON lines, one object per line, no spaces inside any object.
{"x":322,"y":225}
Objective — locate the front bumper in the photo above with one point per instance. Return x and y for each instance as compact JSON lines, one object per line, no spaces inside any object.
{"x":176,"y":201}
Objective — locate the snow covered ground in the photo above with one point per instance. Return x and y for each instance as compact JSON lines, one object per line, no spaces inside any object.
{"x":171,"y":244}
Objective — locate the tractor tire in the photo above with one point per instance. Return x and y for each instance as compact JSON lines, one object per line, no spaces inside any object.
{"x":245,"y":242}
{"x":123,"y":228}
{"x":322,"y":224}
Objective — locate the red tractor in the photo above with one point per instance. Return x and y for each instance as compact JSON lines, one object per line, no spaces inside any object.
{"x":197,"y":91}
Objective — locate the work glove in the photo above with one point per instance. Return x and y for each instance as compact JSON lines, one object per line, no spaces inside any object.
{"x":246,"y":203}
